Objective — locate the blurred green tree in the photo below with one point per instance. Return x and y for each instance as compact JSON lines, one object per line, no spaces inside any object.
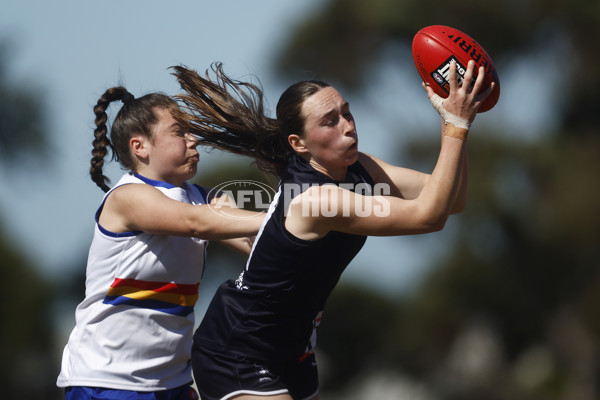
{"x":26,"y":338}
{"x":347,"y":37}
{"x":22,"y":117}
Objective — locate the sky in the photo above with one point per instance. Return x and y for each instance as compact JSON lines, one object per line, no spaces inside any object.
{"x":73,"y":50}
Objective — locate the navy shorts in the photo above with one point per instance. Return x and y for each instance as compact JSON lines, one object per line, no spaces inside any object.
{"x":94,"y":393}
{"x":221,"y":376}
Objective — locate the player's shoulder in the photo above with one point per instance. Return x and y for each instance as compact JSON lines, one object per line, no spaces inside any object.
{"x":132,"y":194}
{"x":374,"y":166}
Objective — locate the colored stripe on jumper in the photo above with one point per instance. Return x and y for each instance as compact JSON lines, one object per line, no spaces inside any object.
{"x":168,"y":297}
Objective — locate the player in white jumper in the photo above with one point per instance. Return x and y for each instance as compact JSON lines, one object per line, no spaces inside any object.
{"x":133,"y":333}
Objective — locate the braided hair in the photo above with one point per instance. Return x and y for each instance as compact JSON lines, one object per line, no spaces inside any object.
{"x":136,"y":117}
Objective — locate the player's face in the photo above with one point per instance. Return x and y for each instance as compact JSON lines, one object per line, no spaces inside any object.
{"x":173,"y":156}
{"x":330,"y":132}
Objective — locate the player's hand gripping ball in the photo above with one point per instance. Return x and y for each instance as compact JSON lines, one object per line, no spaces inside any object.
{"x":433,"y":48}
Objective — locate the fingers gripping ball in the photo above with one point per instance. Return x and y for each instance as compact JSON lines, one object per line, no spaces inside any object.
{"x":435,"y":46}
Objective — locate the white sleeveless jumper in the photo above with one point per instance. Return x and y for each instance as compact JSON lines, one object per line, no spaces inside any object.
{"x":134,"y":328}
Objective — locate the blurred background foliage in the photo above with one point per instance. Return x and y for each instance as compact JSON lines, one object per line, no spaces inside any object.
{"x":508,"y":313}
{"x":25,"y":296}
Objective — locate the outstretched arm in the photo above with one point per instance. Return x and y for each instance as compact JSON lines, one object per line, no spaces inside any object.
{"x":322,"y":209}
{"x":460,"y":201}
{"x":141,"y":207}
{"x":240,"y":244}
{"x":406,"y":183}
{"x":419,"y":203}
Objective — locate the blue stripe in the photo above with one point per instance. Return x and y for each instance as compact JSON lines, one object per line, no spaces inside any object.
{"x":117,"y":234}
{"x":106,"y":231}
{"x":203,"y":193}
{"x":153,"y":182}
{"x":157,"y":305}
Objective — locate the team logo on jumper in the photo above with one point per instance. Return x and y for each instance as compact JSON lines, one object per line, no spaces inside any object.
{"x":442,"y":73}
{"x":247,"y":194}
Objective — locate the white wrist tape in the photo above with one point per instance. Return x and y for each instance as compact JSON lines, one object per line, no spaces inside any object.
{"x":448,"y":117}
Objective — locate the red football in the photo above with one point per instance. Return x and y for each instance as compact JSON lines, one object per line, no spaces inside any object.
{"x":433,"y":48}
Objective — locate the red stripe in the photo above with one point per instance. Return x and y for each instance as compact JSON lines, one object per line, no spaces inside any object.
{"x":162,"y":287}
{"x":306,"y":355}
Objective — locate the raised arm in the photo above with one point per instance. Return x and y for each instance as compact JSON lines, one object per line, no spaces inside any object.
{"x":416,"y":202}
{"x":460,"y":200}
{"x":404,"y":183}
{"x":322,"y":209}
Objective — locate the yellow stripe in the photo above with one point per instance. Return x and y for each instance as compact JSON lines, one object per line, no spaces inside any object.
{"x":136,"y":294}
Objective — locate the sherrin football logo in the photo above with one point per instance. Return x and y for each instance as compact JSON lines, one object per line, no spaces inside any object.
{"x":442,"y":73}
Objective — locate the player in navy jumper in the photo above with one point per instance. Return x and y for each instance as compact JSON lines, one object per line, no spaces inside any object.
{"x":258,"y":336}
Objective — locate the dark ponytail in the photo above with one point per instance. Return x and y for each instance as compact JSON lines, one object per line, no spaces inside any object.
{"x":229,"y":115}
